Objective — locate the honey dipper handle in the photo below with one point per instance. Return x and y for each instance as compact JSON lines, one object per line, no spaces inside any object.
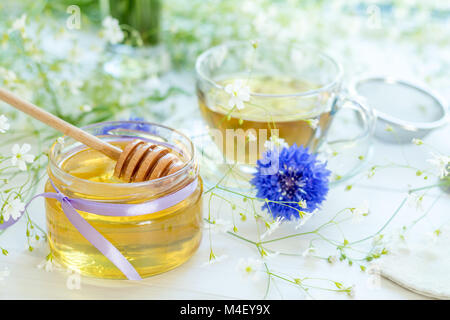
{"x":60,"y":125}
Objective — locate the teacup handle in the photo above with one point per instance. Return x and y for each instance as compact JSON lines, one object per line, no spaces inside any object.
{"x":366,"y":116}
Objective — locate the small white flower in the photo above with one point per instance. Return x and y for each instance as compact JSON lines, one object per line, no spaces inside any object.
{"x":377,"y":240}
{"x":302,"y":204}
{"x":74,"y":279}
{"x":360,"y":212}
{"x":48,"y":265}
{"x":214,"y":260}
{"x":153,"y":83}
{"x":332,"y":259}
{"x":111,"y":30}
{"x":4,"y":124}
{"x":251,"y":137}
{"x":75,"y":86}
{"x":399,"y":240}
{"x":35,"y":243}
{"x":433,"y":236}
{"x":308,"y":252}
{"x":85,"y":108}
{"x":250,"y":268}
{"x":440,"y":162}
{"x":374,"y":275}
{"x":239,"y":93}
{"x":304,"y":218}
{"x":417,"y":142}
{"x":313,"y":123}
{"x":8,"y":76}
{"x":275,"y":142}
{"x":272,"y":227}
{"x":60,"y":140}
{"x":270,"y":256}
{"x":21,"y":157}
{"x":19,"y":24}
{"x":220,"y":225}
{"x":415,"y":200}
{"x":351,"y":292}
{"x":13,"y":209}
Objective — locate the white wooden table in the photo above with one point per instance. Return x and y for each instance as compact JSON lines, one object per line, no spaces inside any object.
{"x":193,"y":280}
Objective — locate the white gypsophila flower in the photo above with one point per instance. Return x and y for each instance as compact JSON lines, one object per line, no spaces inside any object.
{"x":221,"y":226}
{"x":60,"y":140}
{"x":302,"y":204}
{"x":272,"y":227}
{"x":275,"y":142}
{"x":21,"y":157}
{"x":332,"y":259}
{"x":214,"y":260}
{"x":239,"y":93}
{"x":8,"y":76}
{"x":417,"y":142}
{"x":35,"y":243}
{"x":271,"y":255}
{"x":111,"y":30}
{"x":75,"y":86}
{"x":250,"y":267}
{"x":440,"y":162}
{"x":313,"y":123}
{"x":399,"y":240}
{"x":309,"y":252}
{"x":74,"y":279}
{"x":434,"y":235}
{"x":13,"y":209}
{"x":360,"y":212}
{"x":153,"y":83}
{"x":378,"y":240}
{"x":46,"y":265}
{"x":304,"y":218}
{"x":19,"y":24}
{"x":351,"y":292}
{"x":4,"y":124}
{"x":49,"y":265}
{"x":85,"y":108}
{"x":416,"y":201}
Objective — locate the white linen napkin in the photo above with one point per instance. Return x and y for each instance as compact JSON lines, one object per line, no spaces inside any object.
{"x":420,"y":264}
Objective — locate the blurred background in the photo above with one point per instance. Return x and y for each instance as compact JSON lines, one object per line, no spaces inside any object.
{"x":66,"y":57}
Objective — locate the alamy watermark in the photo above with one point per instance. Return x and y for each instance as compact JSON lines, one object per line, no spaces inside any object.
{"x":73,"y":22}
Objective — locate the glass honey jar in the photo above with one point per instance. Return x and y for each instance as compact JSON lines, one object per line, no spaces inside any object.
{"x":153,"y":243}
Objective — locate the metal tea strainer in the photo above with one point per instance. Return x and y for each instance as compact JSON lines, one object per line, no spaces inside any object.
{"x":404,"y":110}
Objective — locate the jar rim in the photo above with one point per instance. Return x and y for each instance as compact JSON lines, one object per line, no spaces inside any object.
{"x":187,"y":165}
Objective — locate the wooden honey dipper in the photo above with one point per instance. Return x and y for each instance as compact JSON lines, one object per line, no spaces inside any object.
{"x":138,"y":161}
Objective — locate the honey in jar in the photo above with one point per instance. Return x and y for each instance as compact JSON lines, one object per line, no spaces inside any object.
{"x":152,"y":243}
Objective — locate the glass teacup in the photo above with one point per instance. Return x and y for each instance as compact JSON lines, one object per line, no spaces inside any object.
{"x":294,"y":95}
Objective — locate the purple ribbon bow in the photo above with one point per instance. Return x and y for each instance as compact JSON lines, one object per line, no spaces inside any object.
{"x":70,"y":207}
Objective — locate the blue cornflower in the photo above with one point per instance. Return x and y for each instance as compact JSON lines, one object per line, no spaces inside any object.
{"x":292,"y":180}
